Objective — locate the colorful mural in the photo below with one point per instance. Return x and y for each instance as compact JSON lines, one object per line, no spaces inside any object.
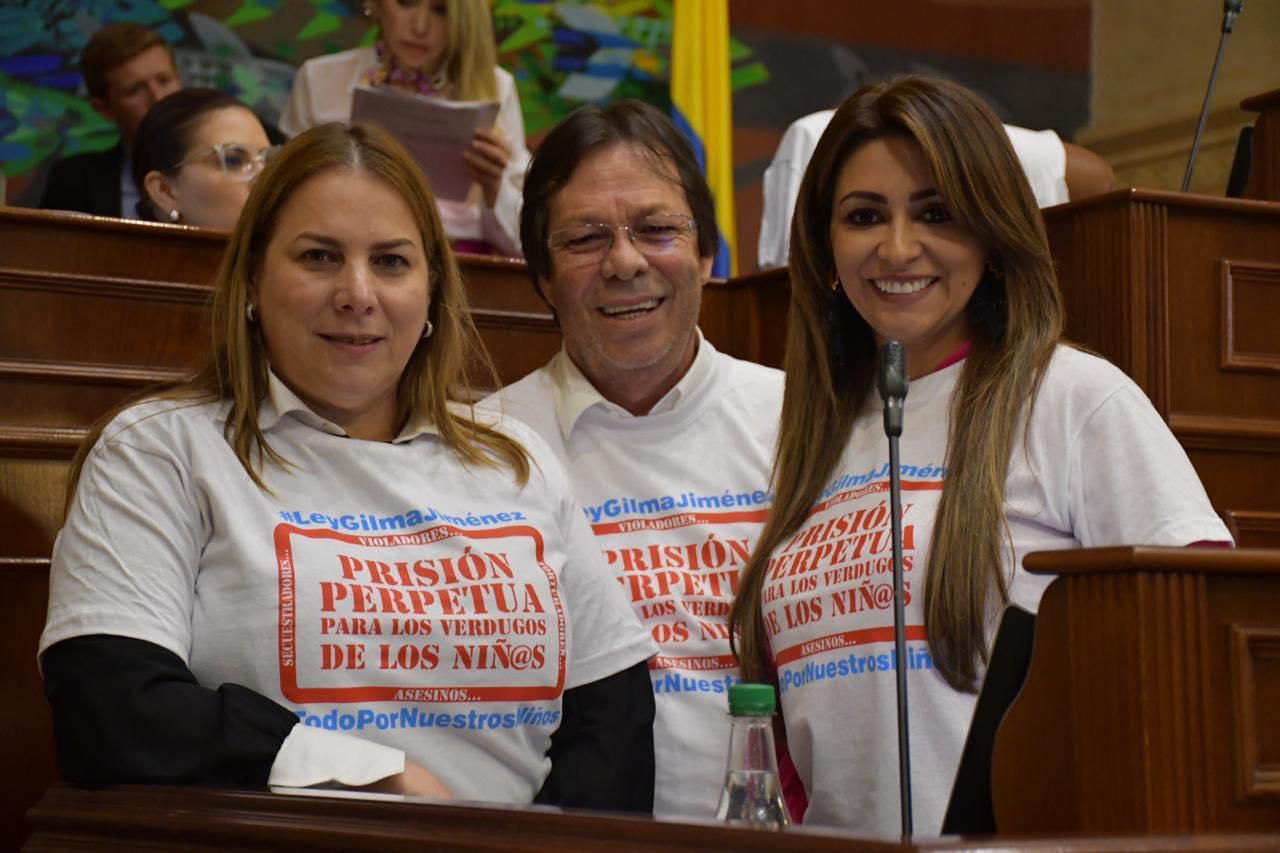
{"x":562,"y":53}
{"x":565,"y":54}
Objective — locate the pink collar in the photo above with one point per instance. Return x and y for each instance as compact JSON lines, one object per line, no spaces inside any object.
{"x":958,"y":354}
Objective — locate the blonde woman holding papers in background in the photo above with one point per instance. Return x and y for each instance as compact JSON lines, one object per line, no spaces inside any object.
{"x":441,"y":48}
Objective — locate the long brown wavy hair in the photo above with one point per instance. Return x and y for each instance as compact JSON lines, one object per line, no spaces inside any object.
{"x":436,"y":381}
{"x":1016,"y":319}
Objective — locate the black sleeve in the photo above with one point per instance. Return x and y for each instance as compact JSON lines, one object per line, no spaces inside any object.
{"x":602,"y":754}
{"x":126,"y":710}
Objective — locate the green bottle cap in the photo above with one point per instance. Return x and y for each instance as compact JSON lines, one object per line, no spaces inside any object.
{"x":751,"y":700}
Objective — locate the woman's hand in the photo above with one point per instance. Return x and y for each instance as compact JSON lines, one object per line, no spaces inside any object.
{"x":415,"y":781}
{"x":486,"y":158}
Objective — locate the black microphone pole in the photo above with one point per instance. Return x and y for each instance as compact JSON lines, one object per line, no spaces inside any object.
{"x":1231,"y":10}
{"x":891,"y":380}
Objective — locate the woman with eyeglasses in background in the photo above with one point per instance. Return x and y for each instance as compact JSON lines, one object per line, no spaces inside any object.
{"x":194,"y":156}
{"x":445,"y":49}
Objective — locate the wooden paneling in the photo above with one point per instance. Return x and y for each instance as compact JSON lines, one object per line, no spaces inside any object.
{"x":1255,"y":676}
{"x":1254,"y":529}
{"x":96,"y":247}
{"x":1181,"y":292}
{"x":1250,"y":306}
{"x":26,"y":730}
{"x":1144,"y":709}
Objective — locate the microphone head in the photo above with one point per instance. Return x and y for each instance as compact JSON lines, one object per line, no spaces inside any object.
{"x":891,"y":378}
{"x":1231,"y":10}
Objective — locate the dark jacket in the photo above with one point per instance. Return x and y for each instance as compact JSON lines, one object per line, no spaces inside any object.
{"x":89,"y":183}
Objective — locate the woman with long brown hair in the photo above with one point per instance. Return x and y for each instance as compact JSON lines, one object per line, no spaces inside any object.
{"x":915,"y":223}
{"x":310,"y":565}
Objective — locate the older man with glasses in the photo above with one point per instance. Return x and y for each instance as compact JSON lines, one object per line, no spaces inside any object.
{"x":668,"y":442}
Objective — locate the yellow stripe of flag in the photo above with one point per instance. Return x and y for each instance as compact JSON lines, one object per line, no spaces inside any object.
{"x":700,"y":94}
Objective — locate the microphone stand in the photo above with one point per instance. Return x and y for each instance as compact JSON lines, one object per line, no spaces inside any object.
{"x":892,"y":384}
{"x":1231,"y":10}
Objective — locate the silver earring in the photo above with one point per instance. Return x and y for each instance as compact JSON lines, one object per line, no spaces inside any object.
{"x":367,"y":9}
{"x":426,"y":333}
{"x":173,"y":215}
{"x":250,"y":313}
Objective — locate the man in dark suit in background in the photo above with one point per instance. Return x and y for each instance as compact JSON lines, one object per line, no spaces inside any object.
{"x":126,"y":67}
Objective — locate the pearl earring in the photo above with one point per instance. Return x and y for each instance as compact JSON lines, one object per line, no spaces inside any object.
{"x":173,"y":215}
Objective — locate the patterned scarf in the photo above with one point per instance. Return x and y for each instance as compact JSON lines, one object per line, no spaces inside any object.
{"x":389,"y":72}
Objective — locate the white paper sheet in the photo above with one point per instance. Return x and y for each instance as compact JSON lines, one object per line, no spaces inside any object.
{"x":434,"y":130}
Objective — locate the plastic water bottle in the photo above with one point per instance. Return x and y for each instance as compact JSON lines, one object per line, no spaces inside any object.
{"x":752,"y":793}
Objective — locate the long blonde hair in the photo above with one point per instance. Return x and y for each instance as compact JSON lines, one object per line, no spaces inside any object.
{"x":1016,"y":318}
{"x":473,"y":57}
{"x":436,"y":379}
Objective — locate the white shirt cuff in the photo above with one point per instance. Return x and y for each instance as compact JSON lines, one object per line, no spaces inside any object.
{"x":313,"y":756}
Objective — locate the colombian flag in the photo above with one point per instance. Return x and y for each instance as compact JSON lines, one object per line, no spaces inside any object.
{"x":702,"y":105}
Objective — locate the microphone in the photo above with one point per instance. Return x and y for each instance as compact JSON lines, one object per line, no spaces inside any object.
{"x":891,"y":381}
{"x":1231,"y":10}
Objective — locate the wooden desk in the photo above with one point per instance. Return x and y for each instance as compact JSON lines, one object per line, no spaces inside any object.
{"x":159,"y":818}
{"x":1150,"y":705}
{"x":1182,"y":292}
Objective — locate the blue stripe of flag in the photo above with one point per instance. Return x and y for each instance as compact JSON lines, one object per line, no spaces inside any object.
{"x":720,"y":266}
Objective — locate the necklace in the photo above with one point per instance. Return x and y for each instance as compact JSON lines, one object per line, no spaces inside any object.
{"x":390,"y":72}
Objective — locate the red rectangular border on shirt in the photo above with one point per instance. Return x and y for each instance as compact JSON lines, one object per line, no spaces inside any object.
{"x":289,"y":686}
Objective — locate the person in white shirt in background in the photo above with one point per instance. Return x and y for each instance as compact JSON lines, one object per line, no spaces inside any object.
{"x":441,"y":48}
{"x":667,"y":441}
{"x":308,"y":565}
{"x":1057,"y":171}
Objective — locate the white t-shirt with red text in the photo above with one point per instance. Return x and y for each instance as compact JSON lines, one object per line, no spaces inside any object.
{"x":381,"y":590}
{"x":1099,"y":468}
{"x":676,"y":498}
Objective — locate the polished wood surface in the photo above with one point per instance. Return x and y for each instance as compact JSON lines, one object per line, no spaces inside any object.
{"x":1182,"y":292}
{"x":1264,"y":174}
{"x":189,"y":819}
{"x":1150,"y":703}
